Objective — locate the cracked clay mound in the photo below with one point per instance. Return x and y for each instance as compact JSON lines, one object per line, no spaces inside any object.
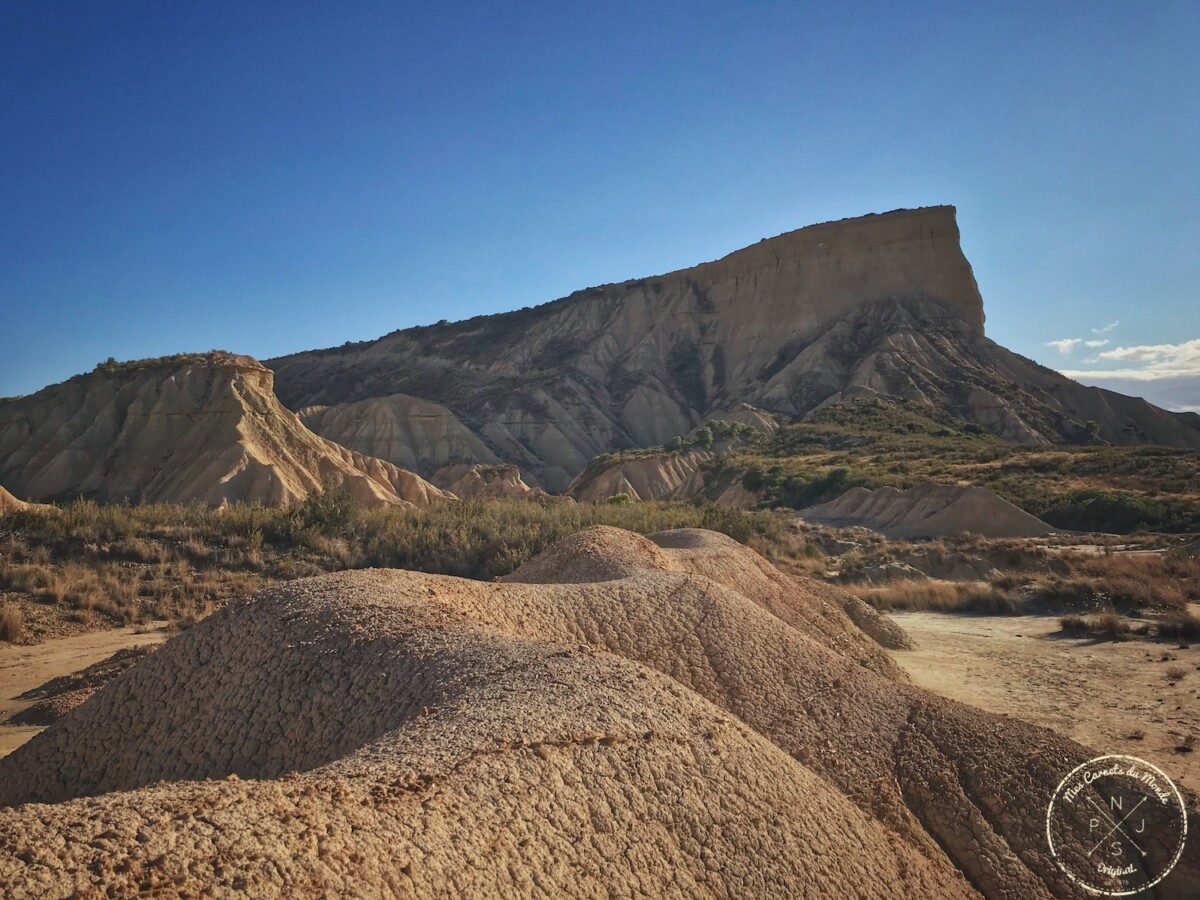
{"x":665,"y":717}
{"x":927,"y":511}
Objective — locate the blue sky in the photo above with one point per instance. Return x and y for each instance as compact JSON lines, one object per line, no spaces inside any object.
{"x":270,"y":177}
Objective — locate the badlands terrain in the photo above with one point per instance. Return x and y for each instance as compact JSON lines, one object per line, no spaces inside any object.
{"x":769,"y":577}
{"x":668,"y":715}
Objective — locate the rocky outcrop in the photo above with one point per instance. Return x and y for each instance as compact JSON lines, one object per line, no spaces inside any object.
{"x":188,"y":429}
{"x":630,"y":716}
{"x":883,"y":303}
{"x":662,"y":475}
{"x":659,"y":476}
{"x":927,"y":511}
{"x":484,"y":482}
{"x":407,"y":431}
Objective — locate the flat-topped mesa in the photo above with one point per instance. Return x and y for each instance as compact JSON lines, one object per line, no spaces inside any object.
{"x":883,"y":304}
{"x":193,"y":428}
{"x":802,"y":279}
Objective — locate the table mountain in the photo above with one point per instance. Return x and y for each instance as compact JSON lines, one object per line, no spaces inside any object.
{"x":882,"y":303}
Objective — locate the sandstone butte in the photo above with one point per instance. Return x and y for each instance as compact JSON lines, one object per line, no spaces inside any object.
{"x":882,"y":303}
{"x":201,"y":428}
{"x":662,"y":716}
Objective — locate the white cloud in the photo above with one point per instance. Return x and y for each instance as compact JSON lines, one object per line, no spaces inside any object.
{"x":1159,"y":361}
{"x":1107,"y":328}
{"x":1066,"y":345}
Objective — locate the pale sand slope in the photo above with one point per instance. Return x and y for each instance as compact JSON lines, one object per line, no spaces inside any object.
{"x":1098,"y":693}
{"x":622,"y":716}
{"x":186,"y":429}
{"x":9,"y":503}
{"x":24,"y":668}
{"x":928,"y":510}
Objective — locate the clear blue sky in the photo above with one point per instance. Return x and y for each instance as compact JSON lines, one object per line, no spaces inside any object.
{"x":270,"y":177}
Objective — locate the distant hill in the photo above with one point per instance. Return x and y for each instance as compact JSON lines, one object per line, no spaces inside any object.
{"x":878,"y":305}
{"x":181,"y":429}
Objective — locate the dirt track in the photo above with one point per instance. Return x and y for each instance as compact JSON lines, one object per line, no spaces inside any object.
{"x":1098,"y":693}
{"x":25,"y":668}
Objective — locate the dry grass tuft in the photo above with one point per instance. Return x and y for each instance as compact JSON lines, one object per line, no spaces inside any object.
{"x":943,"y":596}
{"x":12,"y":623}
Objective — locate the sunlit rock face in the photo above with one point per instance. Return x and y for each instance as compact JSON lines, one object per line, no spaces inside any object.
{"x":183,"y":429}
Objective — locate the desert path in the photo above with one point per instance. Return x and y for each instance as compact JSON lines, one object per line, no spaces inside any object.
{"x":1097,"y":693}
{"x":24,"y":668}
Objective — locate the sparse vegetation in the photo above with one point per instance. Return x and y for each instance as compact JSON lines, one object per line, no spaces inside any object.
{"x":1108,"y":625}
{"x":892,"y":442}
{"x":943,"y":596}
{"x":121,"y":565}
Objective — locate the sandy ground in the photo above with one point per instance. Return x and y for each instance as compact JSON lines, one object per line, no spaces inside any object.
{"x":25,"y":668}
{"x":1098,"y":693}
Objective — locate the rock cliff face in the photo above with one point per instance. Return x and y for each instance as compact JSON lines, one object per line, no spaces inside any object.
{"x":883,"y":303}
{"x":184,"y":429}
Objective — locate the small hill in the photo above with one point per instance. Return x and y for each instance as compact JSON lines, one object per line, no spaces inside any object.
{"x":663,"y":716}
{"x":184,"y":429}
{"x":928,"y":510}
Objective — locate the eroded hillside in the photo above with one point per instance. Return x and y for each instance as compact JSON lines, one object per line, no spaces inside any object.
{"x":882,"y":304}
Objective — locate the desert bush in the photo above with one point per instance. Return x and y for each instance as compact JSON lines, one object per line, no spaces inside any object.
{"x":1073,"y":624}
{"x":12,"y":623}
{"x":1119,"y":511}
{"x":1181,"y":626}
{"x":1106,"y":625}
{"x":943,"y":596}
{"x":1111,"y":625}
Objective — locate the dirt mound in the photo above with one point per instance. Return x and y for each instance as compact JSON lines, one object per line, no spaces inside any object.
{"x":660,"y":731}
{"x":184,"y":429}
{"x":884,"y":631}
{"x":927,"y":511}
{"x":59,"y":696}
{"x":597,"y":554}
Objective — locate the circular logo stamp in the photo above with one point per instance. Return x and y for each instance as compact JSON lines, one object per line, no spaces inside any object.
{"x":1116,"y":825}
